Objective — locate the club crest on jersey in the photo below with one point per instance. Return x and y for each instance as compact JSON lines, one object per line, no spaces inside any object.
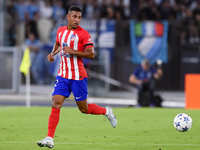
{"x":73,"y":37}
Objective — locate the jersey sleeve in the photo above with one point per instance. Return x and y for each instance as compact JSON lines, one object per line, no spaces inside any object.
{"x":87,"y":40}
{"x":136,"y":72}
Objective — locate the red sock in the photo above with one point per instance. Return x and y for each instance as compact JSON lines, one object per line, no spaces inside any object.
{"x":53,"y":121}
{"x":95,"y":109}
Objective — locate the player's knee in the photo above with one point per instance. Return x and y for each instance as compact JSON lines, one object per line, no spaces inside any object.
{"x":56,"y":104}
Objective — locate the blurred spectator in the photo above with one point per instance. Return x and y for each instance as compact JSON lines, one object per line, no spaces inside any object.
{"x":165,"y":9}
{"x":157,"y":2}
{"x":187,"y":3}
{"x":183,"y":9}
{"x":149,"y":11}
{"x":45,"y":23}
{"x":176,"y":13}
{"x":46,"y":9}
{"x":152,"y":11}
{"x":34,"y":46}
{"x":110,"y":13}
{"x":120,"y":12}
{"x":196,"y":14}
{"x":197,"y":9}
{"x":32,"y":7}
{"x":188,"y":17}
{"x":90,"y":9}
{"x":58,"y":10}
{"x":127,"y":11}
{"x":189,"y":33}
{"x":96,"y":10}
{"x":31,"y":26}
{"x":10,"y":35}
{"x":134,"y":9}
{"x":68,"y":3}
{"x":193,"y":33}
{"x":112,"y":3}
{"x":21,"y":9}
{"x":144,"y":78}
{"x":103,"y":9}
{"x":140,"y":13}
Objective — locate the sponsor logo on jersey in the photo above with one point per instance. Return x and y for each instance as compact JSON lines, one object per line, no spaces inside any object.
{"x":64,"y":44}
{"x":63,"y":52}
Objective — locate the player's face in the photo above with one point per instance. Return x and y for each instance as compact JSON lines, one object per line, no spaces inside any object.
{"x":145,"y":67}
{"x":74,"y":19}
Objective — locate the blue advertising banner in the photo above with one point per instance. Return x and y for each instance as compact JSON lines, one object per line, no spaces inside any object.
{"x":106,"y":39}
{"x":148,"y":40}
{"x":91,"y":27}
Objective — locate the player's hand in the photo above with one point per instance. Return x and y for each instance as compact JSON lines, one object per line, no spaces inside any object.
{"x":68,"y":50}
{"x":139,"y":82}
{"x":50,"y":58}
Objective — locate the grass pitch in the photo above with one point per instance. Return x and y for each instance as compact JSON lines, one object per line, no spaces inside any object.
{"x":137,"y":129}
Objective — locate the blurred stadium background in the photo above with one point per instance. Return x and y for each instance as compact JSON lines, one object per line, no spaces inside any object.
{"x":110,"y":23}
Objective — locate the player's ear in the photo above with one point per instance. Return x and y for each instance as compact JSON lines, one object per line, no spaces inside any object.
{"x":67,"y":16}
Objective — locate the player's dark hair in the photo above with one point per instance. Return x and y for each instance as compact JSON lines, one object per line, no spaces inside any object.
{"x":145,"y":62}
{"x":74,"y":8}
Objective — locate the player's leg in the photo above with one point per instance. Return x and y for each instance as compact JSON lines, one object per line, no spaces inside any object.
{"x":57,"y":101}
{"x":139,"y":95}
{"x":151,"y":96}
{"x":61,"y":90}
{"x":79,"y":89}
{"x":97,"y":110}
{"x":90,"y":108}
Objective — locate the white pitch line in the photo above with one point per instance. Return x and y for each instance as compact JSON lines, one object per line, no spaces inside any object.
{"x":162,"y":144}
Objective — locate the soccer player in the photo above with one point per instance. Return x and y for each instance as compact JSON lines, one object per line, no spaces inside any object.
{"x":73,"y":43}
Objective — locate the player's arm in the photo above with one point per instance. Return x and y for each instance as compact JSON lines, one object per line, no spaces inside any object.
{"x":56,"y":50}
{"x":134,"y":80}
{"x":88,"y":53}
{"x":158,"y":74}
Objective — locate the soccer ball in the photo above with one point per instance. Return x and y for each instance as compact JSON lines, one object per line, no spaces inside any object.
{"x":182,"y":122}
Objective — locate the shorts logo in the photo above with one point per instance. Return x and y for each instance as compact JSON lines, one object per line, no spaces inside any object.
{"x":78,"y":97}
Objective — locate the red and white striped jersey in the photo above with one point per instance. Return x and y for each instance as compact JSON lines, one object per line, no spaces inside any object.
{"x":71,"y":66}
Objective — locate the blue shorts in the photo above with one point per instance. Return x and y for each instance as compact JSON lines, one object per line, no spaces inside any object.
{"x":64,"y":87}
